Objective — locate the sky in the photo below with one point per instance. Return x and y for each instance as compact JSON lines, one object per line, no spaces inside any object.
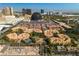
{"x":49,"y":6}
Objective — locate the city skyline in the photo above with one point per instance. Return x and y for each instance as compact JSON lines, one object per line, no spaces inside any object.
{"x":39,"y":29}
{"x":48,"y":6}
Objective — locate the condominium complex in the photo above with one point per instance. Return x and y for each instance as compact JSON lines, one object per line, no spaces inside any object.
{"x":7,"y":11}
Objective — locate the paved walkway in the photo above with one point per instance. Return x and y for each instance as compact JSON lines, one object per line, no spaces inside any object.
{"x":22,"y":50}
